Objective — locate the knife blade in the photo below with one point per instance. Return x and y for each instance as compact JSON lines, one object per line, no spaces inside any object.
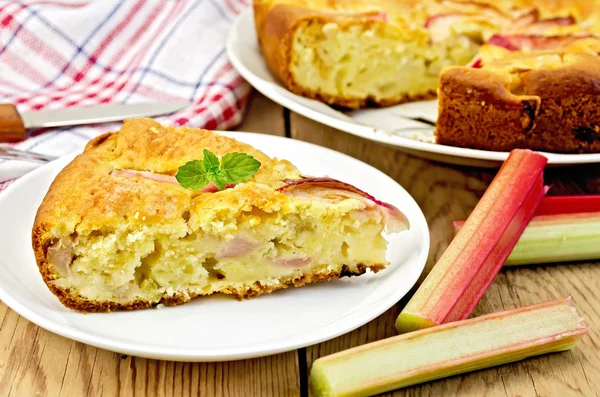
{"x":14,"y":124}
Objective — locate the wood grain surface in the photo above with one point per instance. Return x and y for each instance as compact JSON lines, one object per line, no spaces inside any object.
{"x":446,"y":193}
{"x":34,"y":362}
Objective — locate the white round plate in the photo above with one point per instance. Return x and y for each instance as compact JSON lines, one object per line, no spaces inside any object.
{"x":219,"y":328}
{"x":385,"y":125}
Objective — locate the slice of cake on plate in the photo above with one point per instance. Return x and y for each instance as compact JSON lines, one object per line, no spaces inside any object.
{"x":153,"y":214}
{"x":542,"y":100}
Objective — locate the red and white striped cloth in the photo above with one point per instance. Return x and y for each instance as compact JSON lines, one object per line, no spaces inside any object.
{"x":64,"y":53}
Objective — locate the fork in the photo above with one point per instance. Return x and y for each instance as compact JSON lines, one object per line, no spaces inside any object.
{"x":8,"y":153}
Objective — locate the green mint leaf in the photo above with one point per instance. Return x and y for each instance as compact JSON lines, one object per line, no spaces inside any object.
{"x":211,"y":162}
{"x":233,"y":168}
{"x":193,"y":175}
{"x":238,"y":167}
{"x":218,"y":179}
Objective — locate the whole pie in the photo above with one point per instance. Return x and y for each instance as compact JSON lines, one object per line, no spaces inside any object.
{"x":355,"y":52}
{"x":118,"y":229}
{"x":385,"y":52}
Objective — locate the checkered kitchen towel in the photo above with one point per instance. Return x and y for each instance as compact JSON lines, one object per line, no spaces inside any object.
{"x":63,"y":53}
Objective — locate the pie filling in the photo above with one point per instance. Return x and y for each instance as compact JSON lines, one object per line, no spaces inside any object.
{"x":374,"y":61}
{"x":322,"y":230}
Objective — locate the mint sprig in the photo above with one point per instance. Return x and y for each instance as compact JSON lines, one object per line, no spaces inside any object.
{"x":233,"y":168}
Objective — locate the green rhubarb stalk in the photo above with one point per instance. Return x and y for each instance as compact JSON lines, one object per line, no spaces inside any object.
{"x":556,"y":238}
{"x":447,"y":350}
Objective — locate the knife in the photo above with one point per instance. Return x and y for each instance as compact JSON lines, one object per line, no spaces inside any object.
{"x":14,"y":124}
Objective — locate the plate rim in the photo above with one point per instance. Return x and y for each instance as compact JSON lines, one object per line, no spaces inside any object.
{"x":372,"y":133}
{"x":190,"y":355}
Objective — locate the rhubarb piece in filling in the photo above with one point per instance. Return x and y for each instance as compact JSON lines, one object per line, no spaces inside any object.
{"x":117,"y":231}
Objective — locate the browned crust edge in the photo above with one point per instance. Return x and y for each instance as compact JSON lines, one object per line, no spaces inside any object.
{"x":478,"y":110}
{"x":477,"y":92}
{"x":356,"y":103}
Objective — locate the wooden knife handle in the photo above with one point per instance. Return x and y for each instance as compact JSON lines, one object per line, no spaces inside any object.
{"x":11,"y":125}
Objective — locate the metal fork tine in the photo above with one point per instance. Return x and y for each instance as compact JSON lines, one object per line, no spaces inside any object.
{"x":16,"y":154}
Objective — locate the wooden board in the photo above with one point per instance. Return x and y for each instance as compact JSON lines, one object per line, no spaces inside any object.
{"x":446,"y":193}
{"x":34,"y":362}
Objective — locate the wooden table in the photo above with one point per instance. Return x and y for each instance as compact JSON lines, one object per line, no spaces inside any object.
{"x":34,"y":362}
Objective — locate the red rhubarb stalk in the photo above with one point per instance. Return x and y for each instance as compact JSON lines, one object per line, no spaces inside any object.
{"x":468,"y":266}
{"x":569,"y":205}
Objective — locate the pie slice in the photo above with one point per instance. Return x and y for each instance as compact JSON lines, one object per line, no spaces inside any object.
{"x":116,"y":230}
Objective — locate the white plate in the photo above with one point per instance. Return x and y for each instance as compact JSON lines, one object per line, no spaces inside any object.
{"x":219,"y":327}
{"x":385,"y":125}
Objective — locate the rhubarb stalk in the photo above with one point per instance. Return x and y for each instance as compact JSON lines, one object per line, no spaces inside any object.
{"x":554,"y":205}
{"x":449,"y":349}
{"x":556,"y":238}
{"x":468,"y":266}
